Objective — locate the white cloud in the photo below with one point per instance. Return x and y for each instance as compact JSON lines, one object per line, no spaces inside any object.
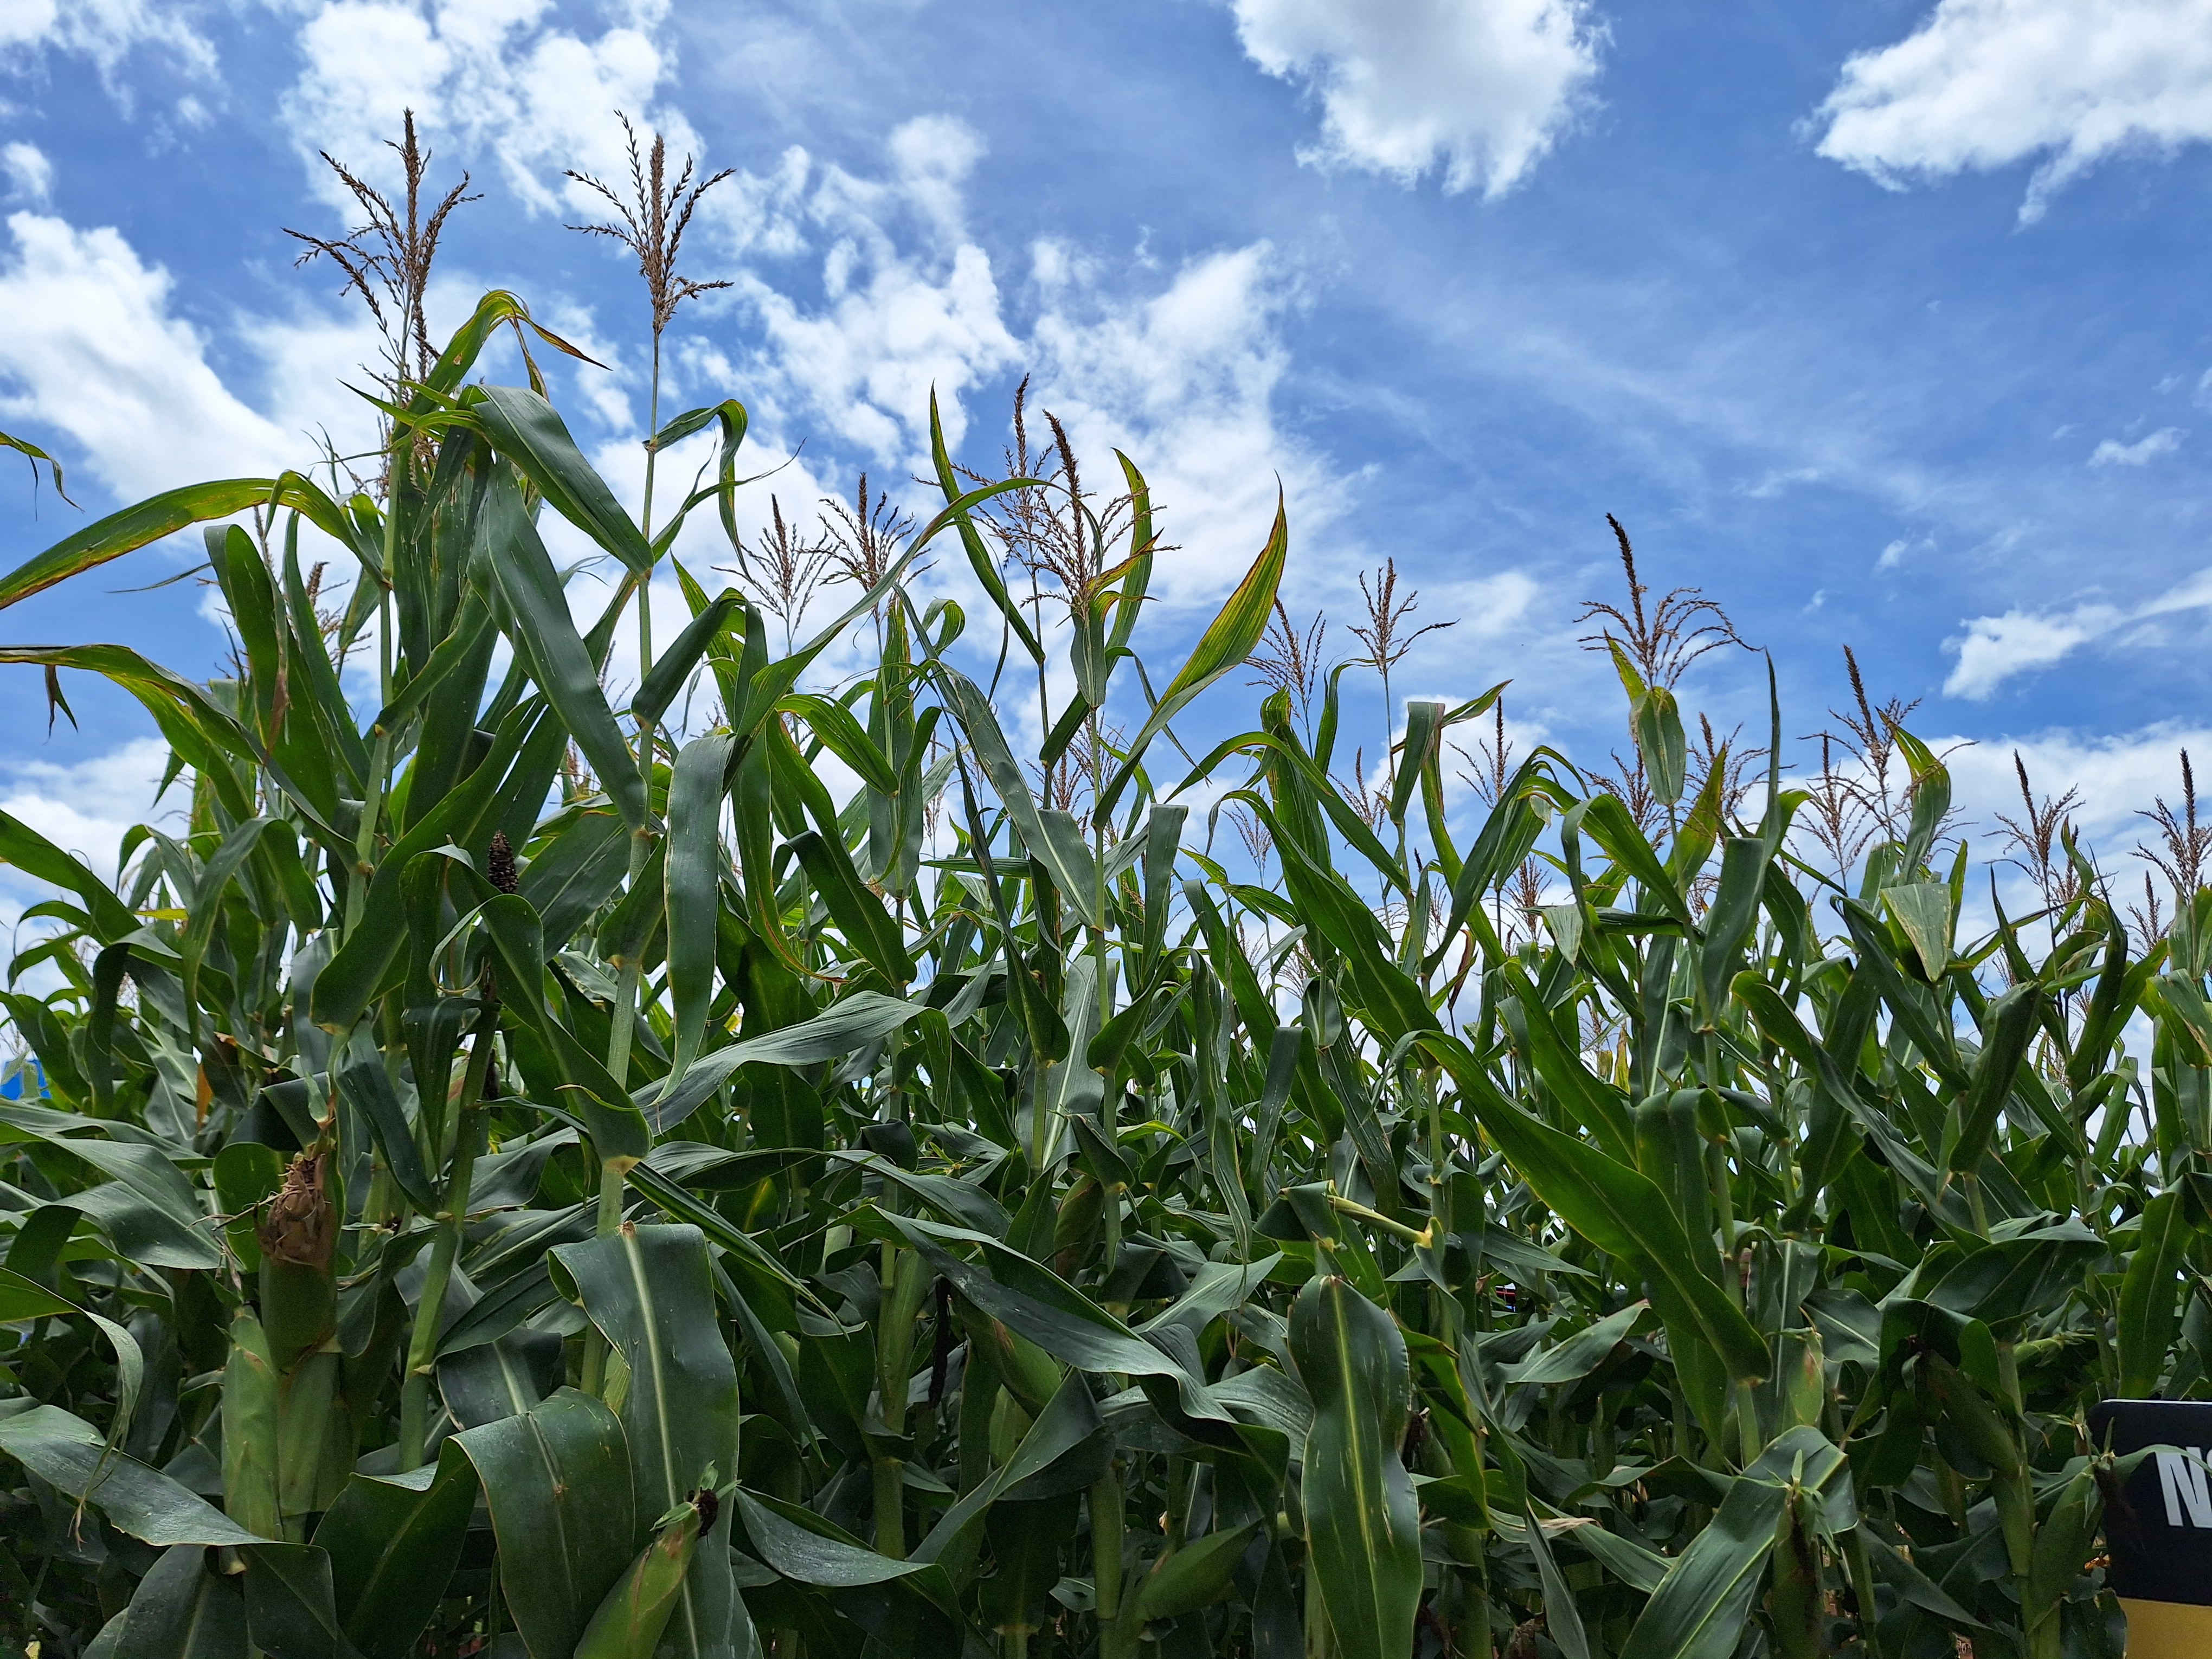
{"x":1480,"y":608}
{"x":1181,"y":374}
{"x":1894,"y":555}
{"x":493,"y":74}
{"x":83,"y":806}
{"x":106,"y":30}
{"x":1984,"y":83}
{"x":2116,"y":775}
{"x":1994,"y":649}
{"x":112,"y":367}
{"x":1480,"y":89}
{"x":30,"y":175}
{"x":2113,"y":452}
{"x":894,"y":320}
{"x":1183,"y":380}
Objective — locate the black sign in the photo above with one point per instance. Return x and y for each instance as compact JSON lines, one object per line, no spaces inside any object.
{"x":2161,"y":1527}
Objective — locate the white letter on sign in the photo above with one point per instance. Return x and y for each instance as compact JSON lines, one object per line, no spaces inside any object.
{"x":2181,"y":1477}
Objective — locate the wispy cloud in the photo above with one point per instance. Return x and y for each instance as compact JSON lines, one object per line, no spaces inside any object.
{"x":30,"y":173}
{"x":106,"y":31}
{"x":2141,"y":452}
{"x":1480,"y":89}
{"x":1982,"y":84}
{"x":1995,"y":649}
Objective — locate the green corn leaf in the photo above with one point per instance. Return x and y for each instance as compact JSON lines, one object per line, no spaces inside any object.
{"x":149,"y":1206}
{"x":629,"y":1622}
{"x":868,"y":927}
{"x":1581,"y":1354}
{"x":497,"y":309}
{"x":1613,"y":1206}
{"x":23,"y":1298}
{"x":1032,"y":1301}
{"x":1659,"y":739}
{"x":528,"y":431}
{"x":1700,"y":1608}
{"x":2148,"y":1310}
{"x":2012,"y":1026}
{"x":1923,"y":909}
{"x":290,"y":1611}
{"x":204,"y":735}
{"x":1609,"y":825}
{"x":37,"y":857}
{"x":183,"y":1609}
{"x":546,"y":635}
{"x":803,"y":1547}
{"x":618,"y":1131}
{"x":1914,"y":1010}
{"x":132,"y":528}
{"x":693,"y":874}
{"x":730,"y":415}
{"x":206,"y":905}
{"x":1734,"y":913}
{"x":574,"y":871}
{"x":971,"y":540}
{"x":33,"y":454}
{"x":366,"y":1084}
{"x":674,"y":665}
{"x":850,"y":1024}
{"x":1362,"y":1527}
{"x":1596,"y":1105}
{"x":357,"y":972}
{"x":68,"y":1453}
{"x":1228,"y":640}
{"x":557,"y":1482}
{"x":393,"y":1542}
{"x":1561,"y":1616}
{"x":650,"y":1291}
{"x":1059,"y":847}
{"x":472,"y":628}
{"x":1931,"y":797}
{"x":1194,"y":1577}
{"x":845,"y":738}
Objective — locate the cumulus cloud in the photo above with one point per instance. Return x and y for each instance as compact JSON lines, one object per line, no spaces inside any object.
{"x":1982,"y":84}
{"x":110,"y":366}
{"x":496,"y":75}
{"x":1184,"y":380}
{"x":1480,"y":89}
{"x":127,"y":382}
{"x":2117,"y":775}
{"x":2142,"y":453}
{"x":1179,"y":370}
{"x":83,"y":806}
{"x":898,"y":313}
{"x":1995,"y":649}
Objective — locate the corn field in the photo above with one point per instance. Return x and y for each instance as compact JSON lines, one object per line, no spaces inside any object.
{"x":514,"y":1171}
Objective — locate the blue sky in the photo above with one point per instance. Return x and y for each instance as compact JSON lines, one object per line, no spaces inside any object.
{"x":1881,"y":323}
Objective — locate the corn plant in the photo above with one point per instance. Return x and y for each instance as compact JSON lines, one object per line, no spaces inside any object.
{"x":504,"y":1171}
